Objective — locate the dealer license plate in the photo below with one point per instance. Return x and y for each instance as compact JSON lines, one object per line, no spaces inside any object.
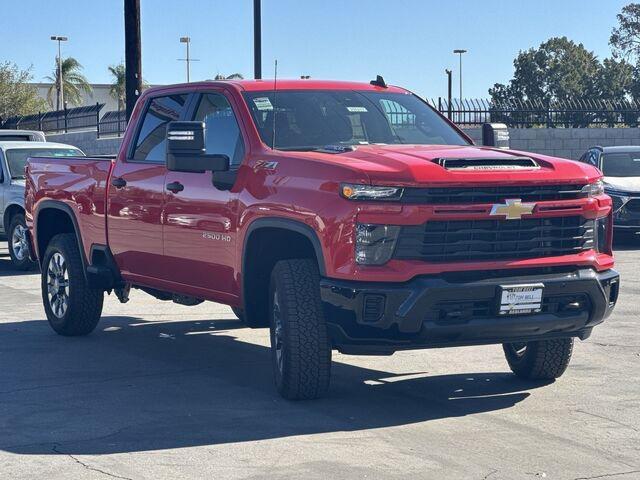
{"x":520,"y":299}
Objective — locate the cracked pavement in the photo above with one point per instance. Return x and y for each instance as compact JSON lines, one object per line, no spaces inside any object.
{"x":163,"y":391}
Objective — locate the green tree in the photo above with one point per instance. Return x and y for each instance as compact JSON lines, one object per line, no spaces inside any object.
{"x":614,"y":80}
{"x":559,"y":69}
{"x":625,"y":38}
{"x":17,"y":95}
{"x":73,"y":81}
{"x":118,"y":88}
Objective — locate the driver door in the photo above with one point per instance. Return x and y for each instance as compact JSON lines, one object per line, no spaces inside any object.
{"x":201,"y":209}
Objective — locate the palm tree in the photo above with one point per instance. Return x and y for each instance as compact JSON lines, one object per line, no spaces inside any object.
{"x":233,"y":76}
{"x":118,"y":88}
{"x":73,"y":82}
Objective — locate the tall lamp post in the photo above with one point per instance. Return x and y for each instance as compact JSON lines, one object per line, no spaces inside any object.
{"x":60,"y":85}
{"x":188,"y":59}
{"x":460,"y":52}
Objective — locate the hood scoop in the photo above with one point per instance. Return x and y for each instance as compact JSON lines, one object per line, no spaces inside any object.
{"x":488,"y":163}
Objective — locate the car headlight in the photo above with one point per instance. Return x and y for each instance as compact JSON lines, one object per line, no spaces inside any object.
{"x":594,"y":189}
{"x":375,"y":243}
{"x":368,"y":192}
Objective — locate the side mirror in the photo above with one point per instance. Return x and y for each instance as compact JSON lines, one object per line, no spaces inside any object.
{"x":186,"y":149}
{"x":495,"y":135}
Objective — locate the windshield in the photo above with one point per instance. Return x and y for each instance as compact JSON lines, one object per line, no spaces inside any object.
{"x":311,"y":119}
{"x":17,"y":157}
{"x":621,"y":164}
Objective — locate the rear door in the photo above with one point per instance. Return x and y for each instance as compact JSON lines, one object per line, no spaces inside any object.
{"x":201,"y":218}
{"x":136,"y":196}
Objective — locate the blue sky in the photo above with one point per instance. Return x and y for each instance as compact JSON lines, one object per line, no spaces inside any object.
{"x":408,"y":41}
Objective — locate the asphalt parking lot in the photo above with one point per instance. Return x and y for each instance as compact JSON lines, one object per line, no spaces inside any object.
{"x":162,"y":391}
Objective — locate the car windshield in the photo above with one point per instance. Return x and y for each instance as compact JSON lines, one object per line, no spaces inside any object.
{"x":17,"y":157}
{"x":314,"y":119}
{"x":621,"y":164}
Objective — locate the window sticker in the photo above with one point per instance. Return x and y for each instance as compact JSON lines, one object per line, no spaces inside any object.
{"x":357,"y":109}
{"x":263,"y":103}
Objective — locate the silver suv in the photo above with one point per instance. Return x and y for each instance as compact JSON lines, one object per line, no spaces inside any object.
{"x":13,"y":158}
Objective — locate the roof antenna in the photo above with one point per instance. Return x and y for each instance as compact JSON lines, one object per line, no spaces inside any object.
{"x":275,"y":103}
{"x":379,"y":82}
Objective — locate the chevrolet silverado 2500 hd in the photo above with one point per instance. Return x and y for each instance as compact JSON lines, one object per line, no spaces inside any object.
{"x":346,"y":216}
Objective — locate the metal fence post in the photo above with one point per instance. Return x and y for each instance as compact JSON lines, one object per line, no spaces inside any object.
{"x":97,"y":120}
{"x":65,"y":120}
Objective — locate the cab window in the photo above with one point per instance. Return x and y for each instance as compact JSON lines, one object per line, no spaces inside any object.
{"x":152,"y":137}
{"x":222,"y":132}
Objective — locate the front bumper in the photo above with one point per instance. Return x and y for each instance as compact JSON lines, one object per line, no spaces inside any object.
{"x":442,"y":311}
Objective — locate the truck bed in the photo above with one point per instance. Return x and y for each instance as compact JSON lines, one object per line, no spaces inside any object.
{"x":78,"y":182}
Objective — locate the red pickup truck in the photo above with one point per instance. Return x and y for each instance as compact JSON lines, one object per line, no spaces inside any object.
{"x":346,"y":216}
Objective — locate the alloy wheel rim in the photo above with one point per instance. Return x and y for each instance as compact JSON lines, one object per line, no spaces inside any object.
{"x":19,"y":243}
{"x":278,"y":333}
{"x":58,"y":285}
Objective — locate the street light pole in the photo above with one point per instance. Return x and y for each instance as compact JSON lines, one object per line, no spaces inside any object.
{"x":133,"y":53}
{"x":257,"y":40}
{"x":187,"y":40}
{"x":460,"y":52}
{"x":60,"y":84}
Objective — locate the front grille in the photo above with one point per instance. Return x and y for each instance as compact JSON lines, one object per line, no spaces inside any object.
{"x":469,"y":240}
{"x":467,"y":195}
{"x":633,"y":205}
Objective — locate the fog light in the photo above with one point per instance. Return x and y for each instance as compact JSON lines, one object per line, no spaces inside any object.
{"x":375,"y":243}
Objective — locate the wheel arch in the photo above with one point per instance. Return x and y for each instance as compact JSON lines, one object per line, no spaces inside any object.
{"x":9,"y":212}
{"x":267,"y":241}
{"x":52,"y":218}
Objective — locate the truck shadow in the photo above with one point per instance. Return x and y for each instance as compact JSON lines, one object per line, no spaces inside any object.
{"x":136,"y":385}
{"x":7,"y":268}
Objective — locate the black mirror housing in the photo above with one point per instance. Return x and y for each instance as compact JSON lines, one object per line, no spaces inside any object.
{"x":186,"y":150}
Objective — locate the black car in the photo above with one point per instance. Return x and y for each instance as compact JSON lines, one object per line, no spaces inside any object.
{"x":621,"y":169}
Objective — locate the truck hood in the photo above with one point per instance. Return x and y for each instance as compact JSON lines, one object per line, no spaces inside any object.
{"x":406,"y":165}
{"x":623,"y":184}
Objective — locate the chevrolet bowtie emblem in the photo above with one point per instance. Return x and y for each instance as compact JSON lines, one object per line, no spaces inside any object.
{"x":513,"y":209}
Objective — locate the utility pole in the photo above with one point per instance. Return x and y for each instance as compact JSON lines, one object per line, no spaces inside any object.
{"x":449,"y":91}
{"x":257,"y":40}
{"x":460,"y":52}
{"x":133,"y":53}
{"x":59,"y":83}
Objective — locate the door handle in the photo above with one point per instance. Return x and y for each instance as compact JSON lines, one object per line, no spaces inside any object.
{"x":175,"y":187}
{"x":118,"y":182}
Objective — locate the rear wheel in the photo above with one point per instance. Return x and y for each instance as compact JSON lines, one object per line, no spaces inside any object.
{"x":72,"y":307}
{"x":540,"y":360}
{"x":19,"y":244}
{"x":300,"y":346}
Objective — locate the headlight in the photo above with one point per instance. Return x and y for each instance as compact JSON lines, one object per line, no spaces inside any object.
{"x":594,"y":189}
{"x":375,"y":243}
{"x":368,"y":192}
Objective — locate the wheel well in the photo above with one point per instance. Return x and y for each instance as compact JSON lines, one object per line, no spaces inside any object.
{"x":8,"y":215}
{"x":51,"y":222}
{"x":265,"y":247}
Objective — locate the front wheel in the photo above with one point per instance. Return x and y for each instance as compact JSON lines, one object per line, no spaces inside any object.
{"x":539,"y":360}
{"x":73,"y":308}
{"x":300,"y":346}
{"x":19,"y":244}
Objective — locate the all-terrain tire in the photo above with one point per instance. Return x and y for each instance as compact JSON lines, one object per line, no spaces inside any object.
{"x":540,"y":360}
{"x":83,"y":307}
{"x":300,"y":345}
{"x":19,"y":254}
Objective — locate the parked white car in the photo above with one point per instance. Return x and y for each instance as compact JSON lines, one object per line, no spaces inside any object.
{"x":13,"y":158}
{"x":22,"y":136}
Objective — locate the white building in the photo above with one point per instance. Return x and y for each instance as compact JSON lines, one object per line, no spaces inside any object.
{"x":100,"y":94}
